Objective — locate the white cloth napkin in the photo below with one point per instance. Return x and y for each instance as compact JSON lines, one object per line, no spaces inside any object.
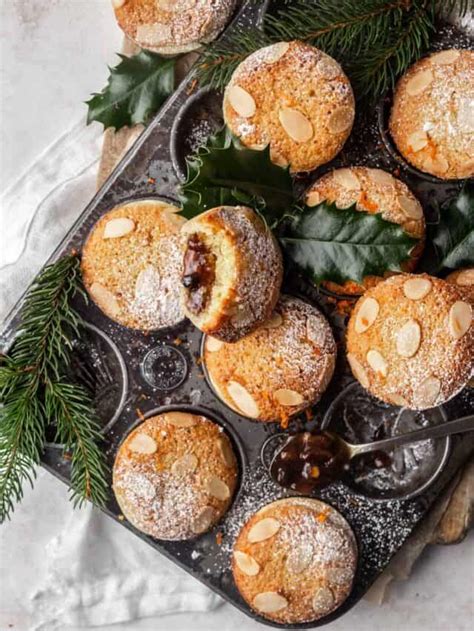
{"x":91,"y":571}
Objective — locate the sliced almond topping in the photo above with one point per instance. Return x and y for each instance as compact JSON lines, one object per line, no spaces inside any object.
{"x":118,"y":227}
{"x":397,"y":399}
{"x":465,"y":118}
{"x":299,"y":558}
{"x":417,"y":288}
{"x":316,"y":331}
{"x":263,"y":529}
{"x":328,"y":67}
{"x":435,"y":165}
{"x":269,"y":602}
{"x":274,"y":322}
{"x":184,"y":465}
{"x":465,"y":278}
{"x":381,"y":177}
{"x":411,"y":207}
{"x":409,"y":339}
{"x":241,"y":101}
{"x":217,"y":488}
{"x":341,"y":120}
{"x":118,"y":3}
{"x":296,"y":125}
{"x":180,"y":419}
{"x":377,"y":362}
{"x":428,"y":392}
{"x":419,"y":82}
{"x":225,"y":451}
{"x":143,"y":444}
{"x":323,"y":600}
{"x":288,"y":397}
{"x":313,"y":199}
{"x":174,"y":218}
{"x":246,"y":563}
{"x":213,"y":345}
{"x":444,"y":57}
{"x":346,"y":178}
{"x":417,"y":140}
{"x":204,"y":520}
{"x":366,"y":315}
{"x":459,"y":320}
{"x":243,"y":399}
{"x":105,"y":299}
{"x":274,"y":52}
{"x":358,"y":370}
{"x":148,"y":283}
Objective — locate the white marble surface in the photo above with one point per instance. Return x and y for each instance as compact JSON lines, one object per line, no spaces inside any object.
{"x":53,"y":54}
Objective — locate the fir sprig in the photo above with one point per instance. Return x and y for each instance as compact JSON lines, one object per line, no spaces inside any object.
{"x":35,"y":393}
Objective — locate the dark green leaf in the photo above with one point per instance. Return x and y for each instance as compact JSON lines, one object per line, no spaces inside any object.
{"x":453,"y":236}
{"x":335,"y":244}
{"x":136,"y":89}
{"x":225,"y":172}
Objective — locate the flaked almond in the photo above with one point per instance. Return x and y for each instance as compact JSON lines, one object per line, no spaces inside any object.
{"x":341,"y":120}
{"x":428,"y":391}
{"x":274,"y":322}
{"x":313,"y":199}
{"x":410,"y":207}
{"x":435,"y":165}
{"x":184,"y":465}
{"x":419,"y":82}
{"x":105,"y":299}
{"x":243,"y":399}
{"x":397,"y":399}
{"x":358,"y":370}
{"x":379,"y":176}
{"x":275,"y":52}
{"x":143,"y":444}
{"x":180,"y":419}
{"x":417,"y":288}
{"x":329,"y":68}
{"x":316,"y":332}
{"x":213,"y":345}
{"x":377,"y":362}
{"x":269,"y":602}
{"x":465,"y":278}
{"x":299,"y":558}
{"x":417,"y":140}
{"x":174,"y":218}
{"x":118,"y":3}
{"x":246,"y":563}
{"x":148,"y":283}
{"x":459,"y":319}
{"x":203,"y":521}
{"x":118,"y":227}
{"x":296,"y":125}
{"x":241,"y":101}
{"x":263,"y":530}
{"x":465,"y":117}
{"x":323,"y":600}
{"x":288,"y":397}
{"x":225,"y":451}
{"x":408,"y":339}
{"x":366,"y":315}
{"x":444,"y":57}
{"x":217,"y":488}
{"x":346,"y":178}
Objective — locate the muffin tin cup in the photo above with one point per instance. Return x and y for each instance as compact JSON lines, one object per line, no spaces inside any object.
{"x":146,"y":172}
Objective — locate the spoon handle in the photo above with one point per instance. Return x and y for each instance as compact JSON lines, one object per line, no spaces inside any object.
{"x":465,"y":424}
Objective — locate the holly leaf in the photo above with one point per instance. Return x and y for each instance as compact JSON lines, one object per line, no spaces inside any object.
{"x":331,"y":243}
{"x":453,"y":236}
{"x":224,"y":172}
{"x":135,"y":91}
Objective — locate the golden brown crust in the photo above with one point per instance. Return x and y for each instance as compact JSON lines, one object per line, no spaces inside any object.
{"x":410,"y":341}
{"x":165,"y":474}
{"x":432,"y":118}
{"x":373,"y":191}
{"x":172,"y":26}
{"x":464,"y":281}
{"x":278,"y":370}
{"x":295,"y":98}
{"x":252,"y":279}
{"x":131,"y":264}
{"x":308,"y":564}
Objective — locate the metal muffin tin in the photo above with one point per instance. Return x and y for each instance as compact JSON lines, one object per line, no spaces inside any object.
{"x":381,"y":527}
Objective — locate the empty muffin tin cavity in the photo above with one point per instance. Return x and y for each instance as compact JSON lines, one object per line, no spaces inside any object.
{"x":164,"y":367}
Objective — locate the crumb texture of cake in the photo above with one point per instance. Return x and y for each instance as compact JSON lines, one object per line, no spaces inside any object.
{"x":464,"y":280}
{"x":175,"y":475}
{"x":294,"y":98}
{"x":294,"y":561}
{"x":377,"y":192}
{"x":410,"y":341}
{"x":278,"y":370}
{"x":172,"y":26}
{"x":231,"y":271}
{"x":131,"y":264}
{"x":432,"y":117}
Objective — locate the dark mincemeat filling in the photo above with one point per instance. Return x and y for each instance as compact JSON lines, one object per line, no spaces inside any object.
{"x":198,"y":274}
